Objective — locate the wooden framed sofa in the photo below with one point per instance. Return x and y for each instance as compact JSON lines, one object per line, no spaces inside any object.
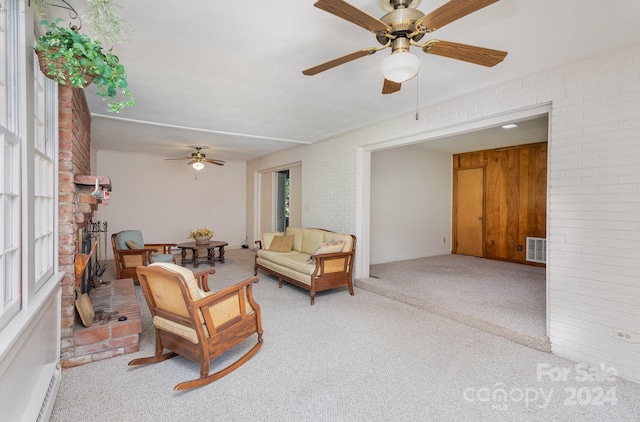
{"x":312,"y":259}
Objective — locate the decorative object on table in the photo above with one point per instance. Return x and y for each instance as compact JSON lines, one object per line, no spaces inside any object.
{"x":71,"y":58}
{"x":202,"y":235}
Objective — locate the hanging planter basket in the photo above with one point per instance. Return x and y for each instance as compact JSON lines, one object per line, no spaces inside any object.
{"x":73,"y":59}
{"x":52,"y":68}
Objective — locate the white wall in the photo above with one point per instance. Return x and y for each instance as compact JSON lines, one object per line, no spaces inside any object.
{"x":594,"y":191}
{"x":295,"y":193}
{"x":410,"y":204}
{"x":166,"y":199}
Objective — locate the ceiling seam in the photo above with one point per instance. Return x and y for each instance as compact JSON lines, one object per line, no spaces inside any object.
{"x":219,"y":132}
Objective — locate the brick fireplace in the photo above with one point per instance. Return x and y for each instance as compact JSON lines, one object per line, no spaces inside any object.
{"x":79,"y":344}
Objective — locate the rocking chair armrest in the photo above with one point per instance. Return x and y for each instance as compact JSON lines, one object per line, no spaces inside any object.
{"x":202,"y":277}
{"x":229,"y":291}
{"x":135,"y":251}
{"x":166,"y":247}
{"x":259,"y":243}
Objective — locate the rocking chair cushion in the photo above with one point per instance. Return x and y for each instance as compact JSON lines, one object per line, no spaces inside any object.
{"x":162,"y":257}
{"x":123,"y":238}
{"x":220,"y":312}
{"x":194,"y":290}
{"x":175,"y":328}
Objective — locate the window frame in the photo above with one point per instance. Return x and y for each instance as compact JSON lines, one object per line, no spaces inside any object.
{"x":29,"y":176}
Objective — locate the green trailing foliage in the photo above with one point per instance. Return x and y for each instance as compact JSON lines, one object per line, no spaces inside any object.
{"x":84,"y":58}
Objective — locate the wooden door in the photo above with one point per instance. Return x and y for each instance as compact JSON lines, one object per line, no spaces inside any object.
{"x":469,"y":215}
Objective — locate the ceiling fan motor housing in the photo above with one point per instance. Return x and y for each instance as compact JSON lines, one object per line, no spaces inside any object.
{"x":402,"y":23}
{"x":390,"y":5}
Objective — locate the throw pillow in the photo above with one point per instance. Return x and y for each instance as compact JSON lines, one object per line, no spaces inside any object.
{"x":133,"y":245}
{"x":281,"y":244}
{"x":332,"y":246}
{"x":268,"y":237}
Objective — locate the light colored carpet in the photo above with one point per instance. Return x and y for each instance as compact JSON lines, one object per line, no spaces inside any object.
{"x":503,"y":298}
{"x":347,"y":358}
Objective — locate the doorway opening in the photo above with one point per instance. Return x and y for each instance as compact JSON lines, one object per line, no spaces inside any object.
{"x":419,"y":178}
{"x":283,"y":200}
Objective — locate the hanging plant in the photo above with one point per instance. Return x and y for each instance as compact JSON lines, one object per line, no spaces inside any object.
{"x":105,"y":23}
{"x":71,"y":58}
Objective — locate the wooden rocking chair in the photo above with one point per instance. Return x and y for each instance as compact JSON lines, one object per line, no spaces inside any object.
{"x":196,"y":323}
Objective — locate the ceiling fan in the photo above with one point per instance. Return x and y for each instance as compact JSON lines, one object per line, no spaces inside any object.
{"x":197,"y":159}
{"x":402,"y":27}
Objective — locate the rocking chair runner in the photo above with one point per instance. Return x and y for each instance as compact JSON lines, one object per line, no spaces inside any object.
{"x":196,"y":323}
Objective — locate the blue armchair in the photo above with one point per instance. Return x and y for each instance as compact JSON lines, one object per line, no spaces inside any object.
{"x":130,"y":251}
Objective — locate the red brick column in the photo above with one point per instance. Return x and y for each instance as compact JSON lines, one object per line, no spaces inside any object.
{"x":74,"y":151}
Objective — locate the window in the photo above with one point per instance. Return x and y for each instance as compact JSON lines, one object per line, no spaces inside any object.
{"x":28,"y":177}
{"x":44,"y":175}
{"x":10,"y":182}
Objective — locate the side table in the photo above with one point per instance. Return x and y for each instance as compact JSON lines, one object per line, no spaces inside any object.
{"x":195,"y":248}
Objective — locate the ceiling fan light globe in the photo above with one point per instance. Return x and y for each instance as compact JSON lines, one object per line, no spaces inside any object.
{"x":400,"y":66}
{"x":198,"y":165}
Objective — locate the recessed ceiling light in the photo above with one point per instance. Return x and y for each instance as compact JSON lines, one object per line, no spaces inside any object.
{"x":509,"y":126}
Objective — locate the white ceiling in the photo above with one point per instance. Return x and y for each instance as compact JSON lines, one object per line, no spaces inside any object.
{"x":227,"y":75}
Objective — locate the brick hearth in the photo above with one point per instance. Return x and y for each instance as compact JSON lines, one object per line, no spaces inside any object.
{"x":115,"y":338}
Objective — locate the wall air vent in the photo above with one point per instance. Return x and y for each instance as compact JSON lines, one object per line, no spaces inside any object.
{"x":537,"y":249}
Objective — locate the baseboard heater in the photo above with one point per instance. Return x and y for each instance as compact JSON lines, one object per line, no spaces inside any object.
{"x":50,"y":396}
{"x":537,"y":249}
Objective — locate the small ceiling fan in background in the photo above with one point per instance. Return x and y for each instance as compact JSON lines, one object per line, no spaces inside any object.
{"x":197,"y":159}
{"x":402,"y":27}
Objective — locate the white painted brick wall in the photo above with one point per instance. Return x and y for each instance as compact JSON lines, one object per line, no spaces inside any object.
{"x":594,"y":193}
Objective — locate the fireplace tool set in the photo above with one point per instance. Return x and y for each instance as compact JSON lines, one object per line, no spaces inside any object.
{"x":87,"y":270}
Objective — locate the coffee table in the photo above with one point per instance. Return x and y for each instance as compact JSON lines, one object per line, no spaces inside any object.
{"x":196,"y":248}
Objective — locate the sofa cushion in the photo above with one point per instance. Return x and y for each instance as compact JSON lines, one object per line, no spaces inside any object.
{"x":296,"y":232}
{"x":281,"y":244}
{"x":348,"y":240}
{"x":311,"y":239}
{"x":328,"y":247}
{"x":297,"y":261}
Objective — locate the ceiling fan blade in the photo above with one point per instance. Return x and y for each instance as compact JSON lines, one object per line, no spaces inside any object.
{"x":181,"y":158}
{"x":217,"y":162}
{"x":352,"y":14}
{"x":451,"y":11}
{"x":467,"y":53}
{"x":192,"y":161}
{"x":389,"y":87}
{"x":337,"y":62}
